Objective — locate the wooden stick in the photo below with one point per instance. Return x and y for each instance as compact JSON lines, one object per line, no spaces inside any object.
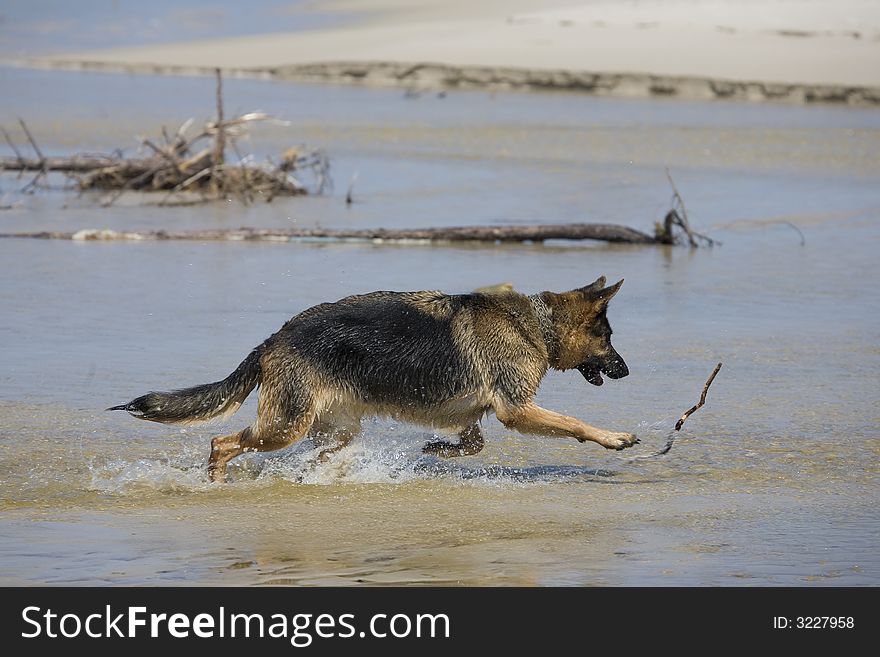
{"x":680,"y":219}
{"x":181,"y":131}
{"x":687,"y":413}
{"x":670,"y":439}
{"x":348,"y":195}
{"x":31,"y":139}
{"x":42,"y":172}
{"x":219,"y":138}
{"x":676,"y":196}
{"x":162,"y":152}
{"x":13,"y":147}
{"x":788,"y":223}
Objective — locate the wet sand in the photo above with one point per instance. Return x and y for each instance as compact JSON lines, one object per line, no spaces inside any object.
{"x":773,"y":482}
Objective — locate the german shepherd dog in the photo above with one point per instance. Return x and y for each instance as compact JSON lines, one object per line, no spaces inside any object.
{"x":430,"y":358}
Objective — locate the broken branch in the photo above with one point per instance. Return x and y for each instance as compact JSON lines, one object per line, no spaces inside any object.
{"x":31,"y":140}
{"x":677,"y":216}
{"x":698,"y":405}
{"x":670,"y":439}
{"x":13,"y":147}
{"x":219,"y":138}
{"x":42,"y":160}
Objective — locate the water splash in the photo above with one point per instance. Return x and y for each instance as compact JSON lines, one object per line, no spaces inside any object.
{"x":363,"y":462}
{"x":371,"y":459}
{"x":184,"y":471}
{"x":398,"y":459}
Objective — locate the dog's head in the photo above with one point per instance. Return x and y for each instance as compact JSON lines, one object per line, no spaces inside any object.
{"x":583,"y":332}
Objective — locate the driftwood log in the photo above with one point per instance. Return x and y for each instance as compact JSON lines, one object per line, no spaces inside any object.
{"x":536,"y":233}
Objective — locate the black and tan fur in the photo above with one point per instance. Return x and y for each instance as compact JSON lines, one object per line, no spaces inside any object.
{"x":429,"y":358}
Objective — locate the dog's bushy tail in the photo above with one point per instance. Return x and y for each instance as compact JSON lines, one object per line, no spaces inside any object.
{"x":199,"y":403}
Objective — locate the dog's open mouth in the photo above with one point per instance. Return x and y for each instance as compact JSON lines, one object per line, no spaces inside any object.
{"x":592,"y":370}
{"x":591,"y":373}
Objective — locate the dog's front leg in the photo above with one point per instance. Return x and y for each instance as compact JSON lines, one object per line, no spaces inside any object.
{"x":532,"y":419}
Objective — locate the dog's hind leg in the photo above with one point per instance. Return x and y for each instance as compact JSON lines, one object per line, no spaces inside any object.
{"x":224,"y":449}
{"x":332,"y":438}
{"x":283,"y":417}
{"x":470,"y":442}
{"x":341,"y":439}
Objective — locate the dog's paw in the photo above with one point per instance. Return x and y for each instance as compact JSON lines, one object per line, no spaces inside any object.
{"x":618,"y":440}
{"x":217,"y":473}
{"x":443,"y":448}
{"x":437,"y":447}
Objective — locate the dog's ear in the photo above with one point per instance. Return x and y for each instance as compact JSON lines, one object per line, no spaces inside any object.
{"x":593,"y":288}
{"x":604,"y":295}
{"x":598,"y":294}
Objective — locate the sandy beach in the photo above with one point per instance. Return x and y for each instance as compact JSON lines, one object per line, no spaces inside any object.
{"x":795,"y":50}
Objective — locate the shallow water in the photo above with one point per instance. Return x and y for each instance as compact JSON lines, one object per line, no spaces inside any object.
{"x":774,"y":481}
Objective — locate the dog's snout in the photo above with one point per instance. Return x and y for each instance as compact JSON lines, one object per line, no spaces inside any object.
{"x":616,"y":368}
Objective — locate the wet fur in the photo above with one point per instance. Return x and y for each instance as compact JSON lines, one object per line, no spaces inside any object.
{"x":429,"y":358}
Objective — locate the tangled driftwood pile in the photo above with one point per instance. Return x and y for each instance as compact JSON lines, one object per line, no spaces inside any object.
{"x":188,"y":167}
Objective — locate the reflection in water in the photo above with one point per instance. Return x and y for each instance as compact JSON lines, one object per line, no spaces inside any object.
{"x":535,"y":473}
